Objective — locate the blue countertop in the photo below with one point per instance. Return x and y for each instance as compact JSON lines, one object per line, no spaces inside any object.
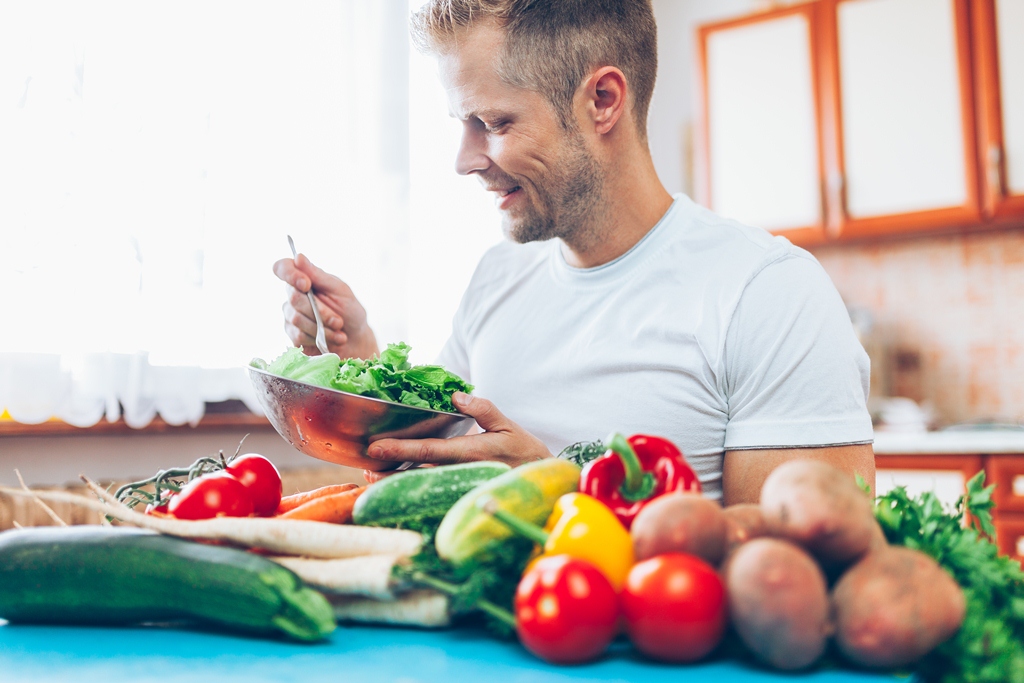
{"x":353,"y":654}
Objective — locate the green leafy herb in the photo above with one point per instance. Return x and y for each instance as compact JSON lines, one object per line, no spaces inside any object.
{"x":487,"y":585}
{"x":389,"y":376}
{"x":583,"y":452}
{"x":989,"y":648}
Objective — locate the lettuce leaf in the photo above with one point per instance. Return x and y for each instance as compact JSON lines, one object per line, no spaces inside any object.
{"x":293,"y":364}
{"x":389,"y":376}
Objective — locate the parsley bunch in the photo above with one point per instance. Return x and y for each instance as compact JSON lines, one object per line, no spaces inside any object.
{"x":989,"y":647}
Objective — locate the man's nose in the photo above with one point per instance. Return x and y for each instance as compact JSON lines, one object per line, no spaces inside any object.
{"x":472,"y":157}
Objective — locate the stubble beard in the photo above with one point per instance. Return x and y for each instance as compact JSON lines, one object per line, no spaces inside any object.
{"x":568,"y":198}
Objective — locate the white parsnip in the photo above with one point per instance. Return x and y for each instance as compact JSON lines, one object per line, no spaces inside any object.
{"x":280,"y":536}
{"x":368,"y":576}
{"x":424,"y":608}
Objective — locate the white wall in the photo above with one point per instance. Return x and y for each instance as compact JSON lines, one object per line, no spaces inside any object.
{"x":671,"y":117}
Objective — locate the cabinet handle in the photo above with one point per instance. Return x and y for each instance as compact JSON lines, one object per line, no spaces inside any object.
{"x":993,"y":168}
{"x":837,"y":188}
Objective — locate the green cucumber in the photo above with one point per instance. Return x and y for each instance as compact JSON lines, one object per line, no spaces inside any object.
{"x":121,"y":575}
{"x":417,"y":499}
{"x":528,"y":492}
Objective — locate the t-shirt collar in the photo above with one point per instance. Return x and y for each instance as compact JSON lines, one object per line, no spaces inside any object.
{"x":621,"y":265}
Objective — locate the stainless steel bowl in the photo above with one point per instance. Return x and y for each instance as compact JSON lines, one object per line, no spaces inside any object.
{"x":337,"y":426}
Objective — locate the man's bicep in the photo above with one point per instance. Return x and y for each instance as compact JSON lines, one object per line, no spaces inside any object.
{"x":744,"y":471}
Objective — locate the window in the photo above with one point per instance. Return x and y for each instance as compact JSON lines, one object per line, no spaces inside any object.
{"x":153,"y":156}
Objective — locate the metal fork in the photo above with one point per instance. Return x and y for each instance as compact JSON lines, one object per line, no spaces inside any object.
{"x":321,"y":337}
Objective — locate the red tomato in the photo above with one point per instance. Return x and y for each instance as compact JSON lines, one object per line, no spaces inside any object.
{"x":165,"y":500}
{"x":675,"y":607}
{"x":261,"y":478}
{"x":212,"y":495}
{"x":566,"y":610}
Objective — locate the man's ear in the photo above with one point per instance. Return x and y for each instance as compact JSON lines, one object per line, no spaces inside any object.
{"x":605,"y":96}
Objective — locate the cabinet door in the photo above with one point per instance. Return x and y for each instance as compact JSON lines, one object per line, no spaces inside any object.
{"x":999,"y":58}
{"x":944,"y":475}
{"x":759,"y":138}
{"x":1010,"y":535}
{"x":901,"y":112}
{"x":1007,"y":473}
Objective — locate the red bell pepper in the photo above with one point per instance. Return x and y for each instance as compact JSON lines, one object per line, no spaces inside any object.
{"x":634,"y":471}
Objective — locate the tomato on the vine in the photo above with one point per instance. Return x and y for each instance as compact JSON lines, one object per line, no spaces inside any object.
{"x":262,"y":480}
{"x":675,"y":607}
{"x":212,"y":495}
{"x":160,"y":508}
{"x":566,"y":610}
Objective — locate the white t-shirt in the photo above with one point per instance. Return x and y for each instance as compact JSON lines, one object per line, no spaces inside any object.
{"x":707,"y":332}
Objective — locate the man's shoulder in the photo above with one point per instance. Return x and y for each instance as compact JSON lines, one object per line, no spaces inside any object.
{"x":727,"y":250}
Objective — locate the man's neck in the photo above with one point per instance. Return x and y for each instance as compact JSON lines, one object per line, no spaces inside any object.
{"x":634,"y":201}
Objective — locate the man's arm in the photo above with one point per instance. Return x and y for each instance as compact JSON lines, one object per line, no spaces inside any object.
{"x":744,"y":471}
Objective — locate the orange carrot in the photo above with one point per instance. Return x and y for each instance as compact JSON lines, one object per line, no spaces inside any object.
{"x":335,"y":508}
{"x":295,"y":500}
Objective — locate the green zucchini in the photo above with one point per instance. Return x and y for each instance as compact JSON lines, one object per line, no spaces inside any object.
{"x":529,"y":492}
{"x":417,"y":499}
{"x":121,"y":575}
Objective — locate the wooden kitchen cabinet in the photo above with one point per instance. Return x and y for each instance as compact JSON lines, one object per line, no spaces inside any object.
{"x":999,"y":64}
{"x":903,"y":92}
{"x":1007,"y":473}
{"x":902,"y":111}
{"x":948,"y":474}
{"x":762,"y":153}
{"x":1010,"y":535}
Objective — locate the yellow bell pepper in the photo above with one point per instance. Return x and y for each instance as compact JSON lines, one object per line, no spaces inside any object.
{"x":582,"y":527}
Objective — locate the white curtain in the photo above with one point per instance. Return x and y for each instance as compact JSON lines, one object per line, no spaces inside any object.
{"x":153,"y":156}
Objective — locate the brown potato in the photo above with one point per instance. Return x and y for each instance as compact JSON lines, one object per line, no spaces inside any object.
{"x":822,"y":509}
{"x":743,"y":522}
{"x":680,"y":523}
{"x":878,"y":539}
{"x":778,"y":602}
{"x":894,"y":606}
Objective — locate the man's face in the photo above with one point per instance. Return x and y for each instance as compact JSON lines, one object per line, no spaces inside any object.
{"x":545,"y":181}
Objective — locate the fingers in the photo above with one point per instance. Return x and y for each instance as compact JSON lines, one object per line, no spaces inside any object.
{"x":439,"y":451}
{"x":286,"y":271}
{"x":322,"y":282}
{"x":302,"y":274}
{"x":301,"y":326}
{"x":372,"y":477}
{"x":486,"y":414}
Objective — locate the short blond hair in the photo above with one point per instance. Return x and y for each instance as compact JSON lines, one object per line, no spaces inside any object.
{"x":551,"y":45}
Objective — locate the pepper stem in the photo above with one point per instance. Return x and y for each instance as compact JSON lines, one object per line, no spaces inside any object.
{"x":516,"y":524}
{"x":638,"y":484}
{"x":450,"y":589}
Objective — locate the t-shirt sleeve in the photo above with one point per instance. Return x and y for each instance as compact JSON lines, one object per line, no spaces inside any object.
{"x":795,"y":373}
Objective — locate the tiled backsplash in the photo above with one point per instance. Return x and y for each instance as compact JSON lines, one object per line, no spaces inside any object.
{"x":948,"y":319}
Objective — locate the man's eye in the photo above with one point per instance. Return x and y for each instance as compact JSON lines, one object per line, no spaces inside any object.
{"x":495,"y":127}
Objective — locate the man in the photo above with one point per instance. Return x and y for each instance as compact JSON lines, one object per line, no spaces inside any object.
{"x":614,"y":306}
